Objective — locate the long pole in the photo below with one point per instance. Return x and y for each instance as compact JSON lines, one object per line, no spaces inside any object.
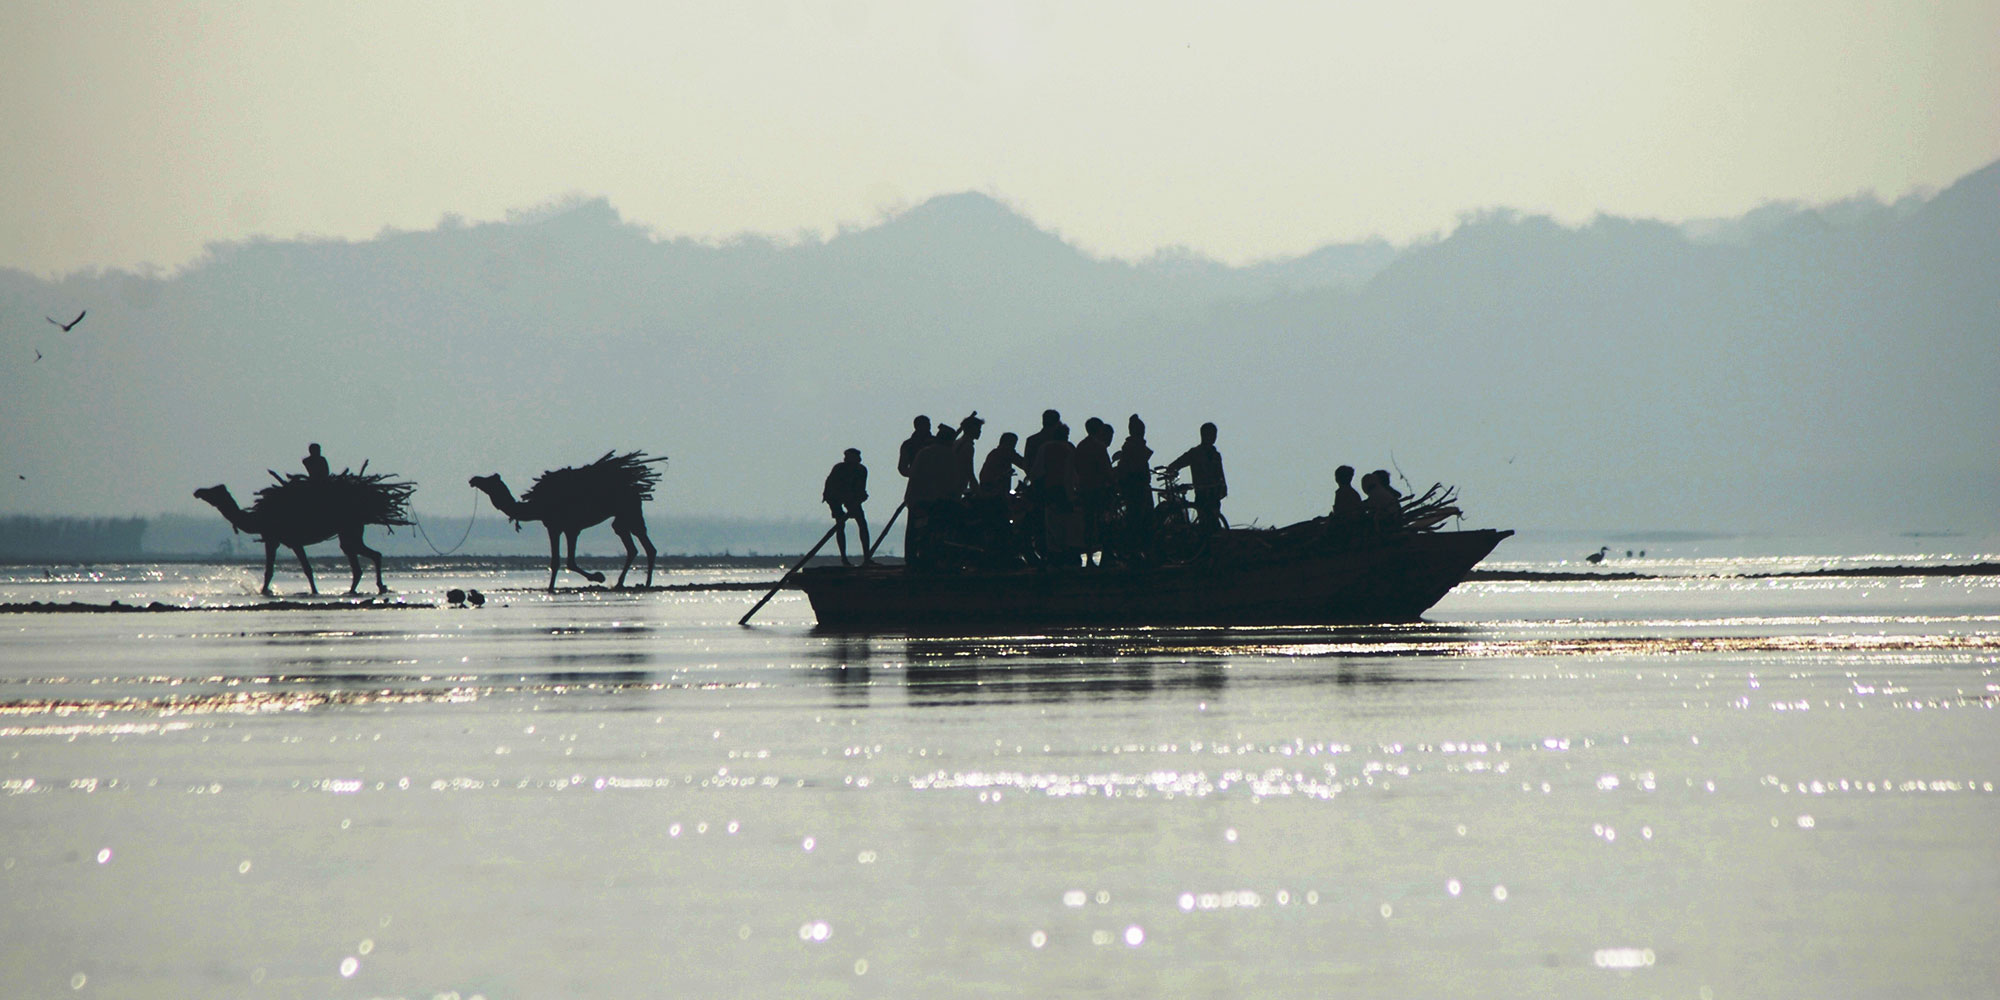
{"x":780,"y":585}
{"x":884,"y":533}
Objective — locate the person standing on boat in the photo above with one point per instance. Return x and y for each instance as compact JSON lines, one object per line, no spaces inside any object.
{"x":931,"y":487}
{"x":1093,"y":484}
{"x":1204,"y":465}
{"x":996,"y":474}
{"x":1051,"y":420}
{"x":1133,"y":472}
{"x":920,"y":438}
{"x":1031,"y":454}
{"x":962,"y":463}
{"x":845,"y":491}
{"x":1052,"y":482}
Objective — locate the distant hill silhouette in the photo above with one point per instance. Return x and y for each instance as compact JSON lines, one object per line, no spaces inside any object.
{"x":1799,"y":367}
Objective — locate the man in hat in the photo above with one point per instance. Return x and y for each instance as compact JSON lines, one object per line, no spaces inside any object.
{"x":846,"y":489}
{"x":964,"y":464}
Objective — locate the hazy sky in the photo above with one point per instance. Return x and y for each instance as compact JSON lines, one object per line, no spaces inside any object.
{"x":138,"y":132}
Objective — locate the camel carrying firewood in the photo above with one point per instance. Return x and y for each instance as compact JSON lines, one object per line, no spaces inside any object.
{"x":568,"y":500}
{"x":298,"y":511}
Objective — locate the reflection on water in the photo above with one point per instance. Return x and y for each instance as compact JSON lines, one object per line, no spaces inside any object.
{"x":1581,"y":792}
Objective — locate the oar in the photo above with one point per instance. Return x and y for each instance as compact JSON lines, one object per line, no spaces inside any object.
{"x":780,"y":585}
{"x":884,"y":533}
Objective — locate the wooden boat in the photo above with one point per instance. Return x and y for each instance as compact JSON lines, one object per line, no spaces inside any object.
{"x":1392,"y":579}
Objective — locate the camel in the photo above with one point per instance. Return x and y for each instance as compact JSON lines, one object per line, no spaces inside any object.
{"x":568,"y":500}
{"x":281,"y":516}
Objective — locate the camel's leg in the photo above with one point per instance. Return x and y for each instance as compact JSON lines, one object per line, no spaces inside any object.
{"x":555,"y":555}
{"x":633,"y":524}
{"x":580,"y":571}
{"x":630,"y":551}
{"x":355,"y":549}
{"x":271,"y":565}
{"x":304,"y":564}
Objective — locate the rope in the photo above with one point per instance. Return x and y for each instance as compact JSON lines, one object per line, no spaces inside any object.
{"x":421,"y":533}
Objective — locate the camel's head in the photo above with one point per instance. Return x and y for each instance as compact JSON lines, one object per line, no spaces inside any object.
{"x":484,"y":483}
{"x":217,"y":495}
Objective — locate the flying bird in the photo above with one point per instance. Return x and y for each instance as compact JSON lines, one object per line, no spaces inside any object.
{"x":71,"y":325}
{"x":38,"y":354}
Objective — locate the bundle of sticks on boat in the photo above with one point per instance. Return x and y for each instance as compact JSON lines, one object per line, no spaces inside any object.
{"x":612,"y":475}
{"x":363,"y":497}
{"x":1427,"y":512}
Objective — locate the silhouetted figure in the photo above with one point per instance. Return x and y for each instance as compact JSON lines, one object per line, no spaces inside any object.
{"x":996,"y":474}
{"x":71,"y":325}
{"x":298,"y":512}
{"x":1204,"y":465}
{"x":933,"y":483}
{"x":475,"y":598}
{"x":963,"y":454}
{"x":1094,"y":494}
{"x":1346,"y":499}
{"x":1052,"y":481}
{"x":315,"y":463}
{"x":919,"y":439}
{"x":846,"y":489}
{"x":1051,"y":420}
{"x":1132,"y":470}
{"x":568,"y":500}
{"x":1381,"y":502}
{"x":455,"y":597}
{"x":1598,"y":556}
{"x":1031,"y":450}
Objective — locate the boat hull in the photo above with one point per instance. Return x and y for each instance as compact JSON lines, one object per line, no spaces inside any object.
{"x":1392,"y":581}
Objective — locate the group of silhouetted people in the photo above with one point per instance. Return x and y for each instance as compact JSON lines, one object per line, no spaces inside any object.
{"x":1376,"y":508}
{"x":1079,"y":503}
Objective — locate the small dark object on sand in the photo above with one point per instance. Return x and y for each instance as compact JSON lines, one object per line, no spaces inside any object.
{"x":475,"y":598}
{"x":455,"y":597}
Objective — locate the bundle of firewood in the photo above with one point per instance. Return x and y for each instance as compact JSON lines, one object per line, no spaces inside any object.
{"x":363,"y":497}
{"x":1430,"y":510}
{"x":611,"y":475}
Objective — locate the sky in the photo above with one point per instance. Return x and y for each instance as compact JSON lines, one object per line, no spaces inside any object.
{"x":137,"y":133}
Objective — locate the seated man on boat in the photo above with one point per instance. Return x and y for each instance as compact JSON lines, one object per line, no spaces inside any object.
{"x":1204,"y":465}
{"x":845,"y":491}
{"x":1347,"y":504}
{"x":1382,"y":505}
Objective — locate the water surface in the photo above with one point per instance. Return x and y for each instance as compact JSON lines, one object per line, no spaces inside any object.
{"x":1682,"y":787}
